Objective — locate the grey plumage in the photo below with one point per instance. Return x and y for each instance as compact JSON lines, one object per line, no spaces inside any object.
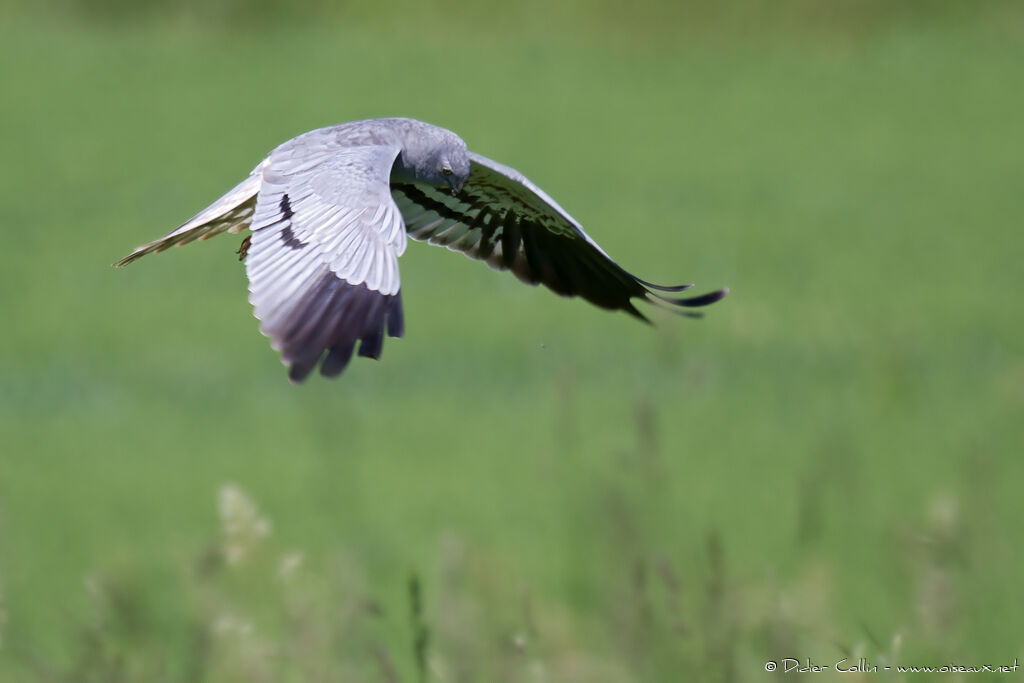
{"x":329,"y":213}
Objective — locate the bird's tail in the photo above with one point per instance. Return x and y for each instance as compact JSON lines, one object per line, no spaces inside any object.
{"x":230,"y":213}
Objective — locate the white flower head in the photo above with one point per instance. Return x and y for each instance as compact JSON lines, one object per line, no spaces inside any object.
{"x":241,"y":524}
{"x":289,"y":565}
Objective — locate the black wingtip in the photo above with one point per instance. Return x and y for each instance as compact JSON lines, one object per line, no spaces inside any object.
{"x":663,"y":288}
{"x":681,"y":306}
{"x":325,"y":326}
{"x":299,"y":371}
{"x":372,"y":344}
{"x":395,"y":317}
{"x":635,"y":312}
{"x":337,"y":359}
{"x":693,"y":301}
{"x":703,"y":299}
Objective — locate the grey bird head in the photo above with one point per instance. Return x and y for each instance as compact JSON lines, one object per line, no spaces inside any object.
{"x":439,"y":159}
{"x":454,"y":165}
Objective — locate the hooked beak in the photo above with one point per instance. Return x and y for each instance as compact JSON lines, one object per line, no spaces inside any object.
{"x":457,"y":188}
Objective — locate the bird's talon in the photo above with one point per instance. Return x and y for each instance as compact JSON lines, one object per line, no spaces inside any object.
{"x":243,"y":250}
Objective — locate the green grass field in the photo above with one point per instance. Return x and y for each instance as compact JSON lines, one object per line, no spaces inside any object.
{"x":827,"y":466}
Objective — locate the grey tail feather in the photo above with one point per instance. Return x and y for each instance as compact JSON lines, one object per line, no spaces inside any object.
{"x":231,"y":213}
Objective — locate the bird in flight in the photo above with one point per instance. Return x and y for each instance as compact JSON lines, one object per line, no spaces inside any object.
{"x":329,"y":212}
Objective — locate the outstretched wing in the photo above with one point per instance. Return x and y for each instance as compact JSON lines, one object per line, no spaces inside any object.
{"x":230,"y":213}
{"x":323,"y":262}
{"x":504,"y":219}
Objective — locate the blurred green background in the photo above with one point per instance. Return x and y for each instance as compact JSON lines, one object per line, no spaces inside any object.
{"x":524,"y":488}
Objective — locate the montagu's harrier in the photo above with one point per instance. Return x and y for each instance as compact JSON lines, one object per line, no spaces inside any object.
{"x":329,"y":212}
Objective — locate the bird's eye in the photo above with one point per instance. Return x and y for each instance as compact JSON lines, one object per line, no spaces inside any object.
{"x":446,"y":171}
